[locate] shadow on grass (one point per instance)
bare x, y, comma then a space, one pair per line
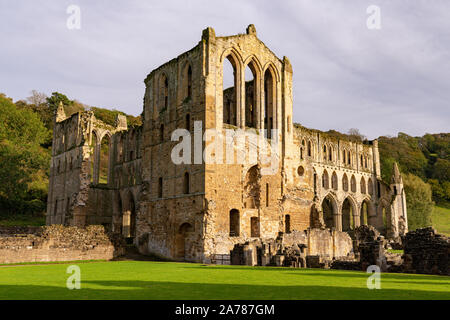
328, 272
177, 290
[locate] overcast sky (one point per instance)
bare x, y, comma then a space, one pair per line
346, 76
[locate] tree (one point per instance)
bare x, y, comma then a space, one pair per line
54, 100
354, 133
24, 163
418, 201
441, 170
37, 98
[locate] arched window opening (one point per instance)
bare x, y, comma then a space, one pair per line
250, 95
349, 159
347, 216
287, 223
269, 102
365, 162
160, 187
362, 161
329, 210
364, 216
330, 153
309, 149
334, 181
186, 183
234, 223
229, 91
104, 160
325, 180
353, 183
345, 183
370, 186
363, 185
324, 153
344, 157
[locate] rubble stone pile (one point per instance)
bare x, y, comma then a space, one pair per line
426, 252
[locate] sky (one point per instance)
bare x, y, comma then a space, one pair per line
346, 75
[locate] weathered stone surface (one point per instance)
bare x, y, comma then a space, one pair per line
59, 243
199, 211
426, 252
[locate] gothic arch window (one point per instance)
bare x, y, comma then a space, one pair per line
330, 153
344, 156
345, 182
353, 183
309, 149
104, 160
349, 158
363, 185
334, 181
251, 83
325, 180
324, 152
370, 187
229, 87
269, 101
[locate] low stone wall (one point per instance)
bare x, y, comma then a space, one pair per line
426, 252
58, 243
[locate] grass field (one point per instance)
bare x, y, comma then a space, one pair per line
169, 280
441, 219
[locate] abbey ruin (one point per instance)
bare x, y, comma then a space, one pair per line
124, 177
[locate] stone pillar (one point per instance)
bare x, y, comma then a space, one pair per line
338, 221
240, 96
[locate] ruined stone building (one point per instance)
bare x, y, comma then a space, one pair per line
124, 178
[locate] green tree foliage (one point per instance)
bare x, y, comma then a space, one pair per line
405, 150
418, 201
24, 162
54, 100
109, 116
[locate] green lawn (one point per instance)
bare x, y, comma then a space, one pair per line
441, 219
169, 280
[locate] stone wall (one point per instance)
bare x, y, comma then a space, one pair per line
426, 252
58, 243
295, 249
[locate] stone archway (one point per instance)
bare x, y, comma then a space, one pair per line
181, 240
349, 219
329, 210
